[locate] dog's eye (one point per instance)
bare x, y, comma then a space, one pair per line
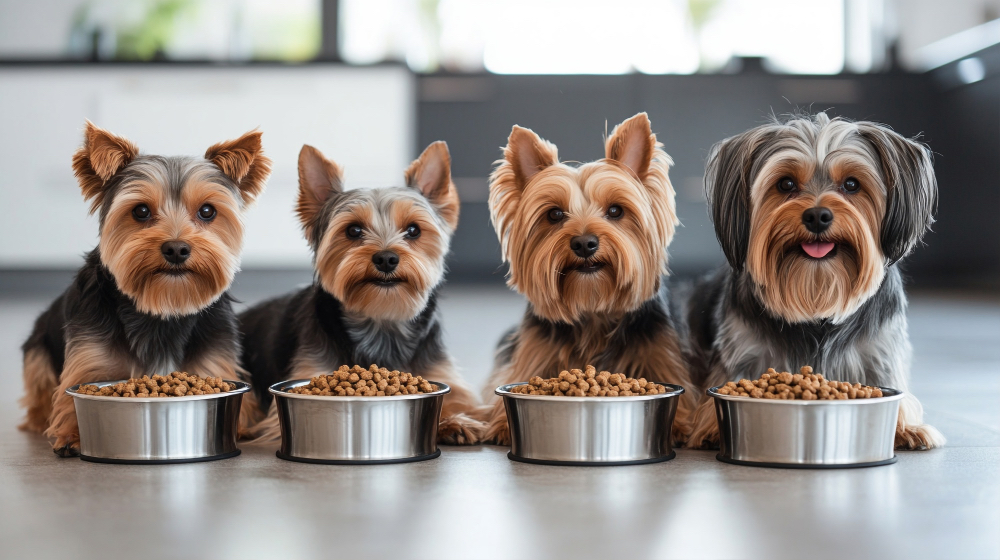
207, 212
852, 185
556, 215
615, 212
787, 185
412, 231
354, 231
141, 213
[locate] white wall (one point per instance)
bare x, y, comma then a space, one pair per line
363, 118
922, 22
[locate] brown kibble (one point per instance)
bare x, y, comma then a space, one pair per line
175, 384
589, 383
365, 382
804, 385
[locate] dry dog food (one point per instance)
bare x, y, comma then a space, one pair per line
589, 383
176, 384
804, 385
360, 382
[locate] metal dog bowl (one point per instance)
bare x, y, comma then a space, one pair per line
807, 434
158, 430
590, 431
358, 430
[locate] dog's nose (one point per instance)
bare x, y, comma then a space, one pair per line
175, 252
385, 261
584, 245
817, 220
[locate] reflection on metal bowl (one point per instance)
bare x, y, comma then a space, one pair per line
592, 431
155, 430
358, 430
807, 434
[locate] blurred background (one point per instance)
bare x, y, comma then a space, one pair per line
371, 82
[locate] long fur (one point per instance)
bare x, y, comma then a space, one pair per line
609, 310
129, 312
345, 316
774, 306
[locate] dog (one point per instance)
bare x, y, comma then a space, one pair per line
379, 256
813, 215
587, 247
152, 297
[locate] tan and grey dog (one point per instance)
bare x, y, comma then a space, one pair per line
814, 215
587, 247
380, 260
152, 297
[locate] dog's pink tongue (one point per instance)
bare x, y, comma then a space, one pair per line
816, 249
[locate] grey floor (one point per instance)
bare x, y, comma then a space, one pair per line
474, 503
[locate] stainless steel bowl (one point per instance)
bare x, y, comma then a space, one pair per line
155, 430
807, 434
594, 431
358, 430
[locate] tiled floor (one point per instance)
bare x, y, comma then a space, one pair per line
474, 503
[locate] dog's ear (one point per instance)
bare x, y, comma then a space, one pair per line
319, 179
243, 161
631, 144
102, 155
527, 154
911, 200
431, 175
728, 178
524, 156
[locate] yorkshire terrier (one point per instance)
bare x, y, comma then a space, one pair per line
152, 297
813, 215
380, 260
587, 247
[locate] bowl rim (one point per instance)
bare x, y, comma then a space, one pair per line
241, 387
277, 390
895, 395
505, 391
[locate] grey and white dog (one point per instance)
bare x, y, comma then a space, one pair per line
813, 215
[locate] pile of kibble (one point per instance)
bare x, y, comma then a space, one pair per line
176, 384
805, 385
360, 382
589, 383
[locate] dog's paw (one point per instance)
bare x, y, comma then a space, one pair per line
706, 437
67, 449
710, 442
680, 432
498, 434
919, 436
460, 429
